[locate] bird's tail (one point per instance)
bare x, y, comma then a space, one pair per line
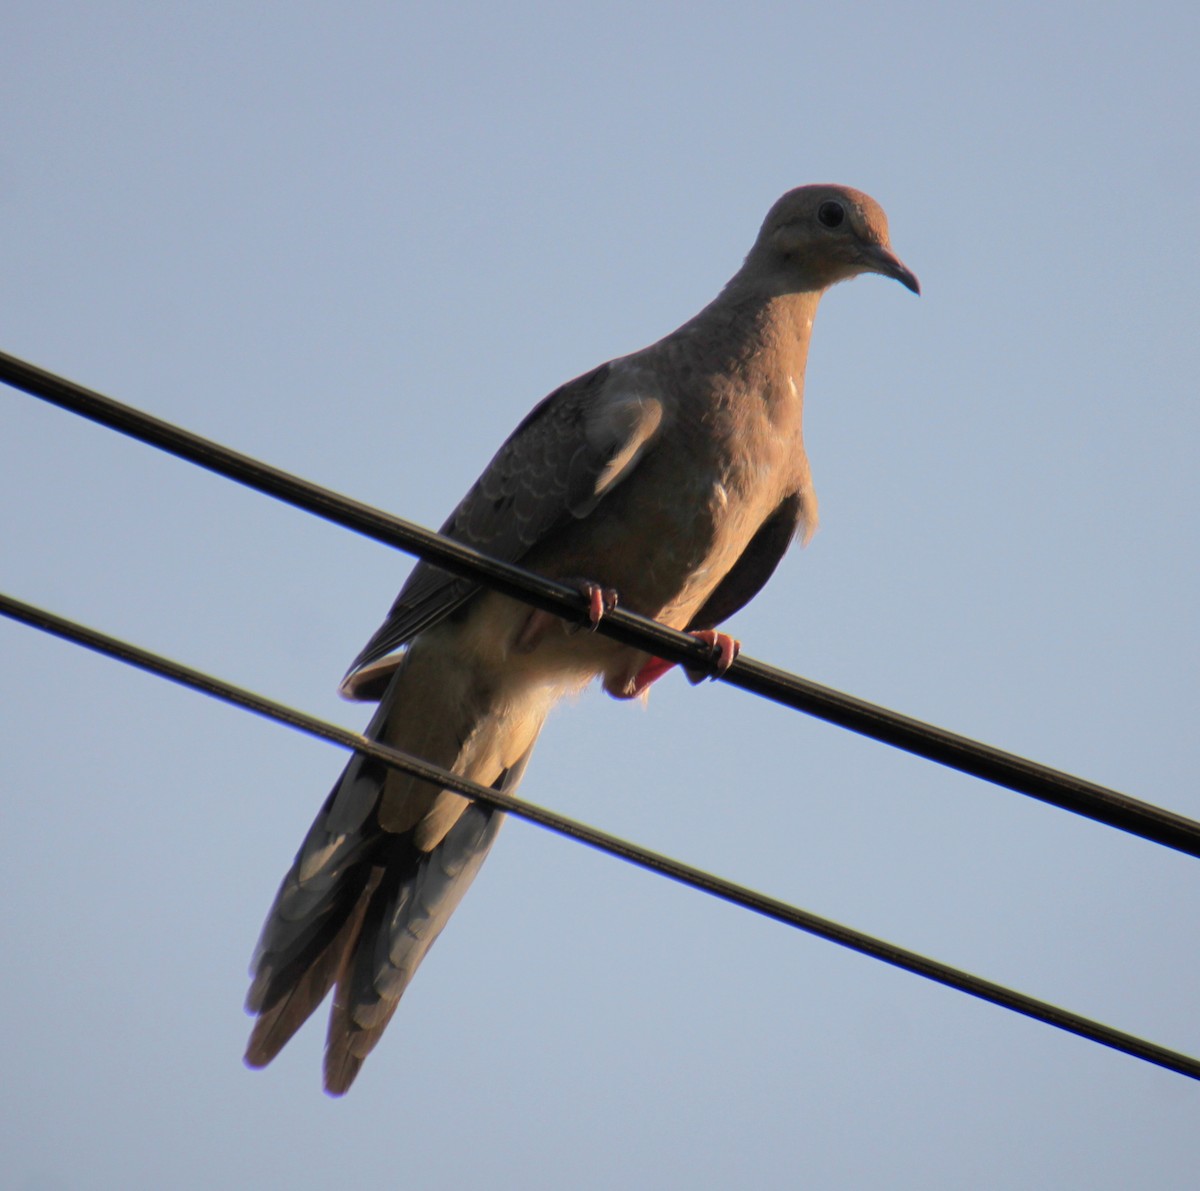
381, 870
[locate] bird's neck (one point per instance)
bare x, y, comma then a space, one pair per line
764, 336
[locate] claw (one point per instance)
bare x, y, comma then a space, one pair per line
601, 600
724, 650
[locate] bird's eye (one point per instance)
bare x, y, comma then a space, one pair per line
831, 214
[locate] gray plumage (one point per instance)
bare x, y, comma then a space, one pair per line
676, 476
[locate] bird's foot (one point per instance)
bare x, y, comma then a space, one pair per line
723, 652
723, 648
601, 601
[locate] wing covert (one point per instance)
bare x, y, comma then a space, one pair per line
573, 447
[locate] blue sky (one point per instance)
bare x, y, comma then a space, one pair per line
361, 243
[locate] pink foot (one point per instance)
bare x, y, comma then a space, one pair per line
601, 600
723, 647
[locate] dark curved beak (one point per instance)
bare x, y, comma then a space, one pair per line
884, 261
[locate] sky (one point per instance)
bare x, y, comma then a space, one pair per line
360, 242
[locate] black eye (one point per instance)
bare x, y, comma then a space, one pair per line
831, 214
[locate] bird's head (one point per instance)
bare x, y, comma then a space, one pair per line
816, 236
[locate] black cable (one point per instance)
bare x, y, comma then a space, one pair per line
685, 874
936, 744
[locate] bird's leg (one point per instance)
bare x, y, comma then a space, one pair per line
601, 600
723, 648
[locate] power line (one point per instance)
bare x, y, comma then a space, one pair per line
1027, 777
738, 895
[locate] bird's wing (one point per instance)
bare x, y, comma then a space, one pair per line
573, 448
756, 565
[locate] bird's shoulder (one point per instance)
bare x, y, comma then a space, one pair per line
564, 456
572, 449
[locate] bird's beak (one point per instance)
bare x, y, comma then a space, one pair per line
882, 260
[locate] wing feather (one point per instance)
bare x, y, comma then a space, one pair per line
573, 448
756, 565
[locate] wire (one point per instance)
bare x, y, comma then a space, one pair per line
1059, 789
738, 895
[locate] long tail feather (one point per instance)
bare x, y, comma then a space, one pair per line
408, 909
360, 907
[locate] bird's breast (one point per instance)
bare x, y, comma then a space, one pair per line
671, 532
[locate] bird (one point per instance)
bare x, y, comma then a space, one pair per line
671, 480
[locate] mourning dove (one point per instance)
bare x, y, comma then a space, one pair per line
674, 478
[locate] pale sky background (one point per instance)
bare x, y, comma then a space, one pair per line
360, 242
